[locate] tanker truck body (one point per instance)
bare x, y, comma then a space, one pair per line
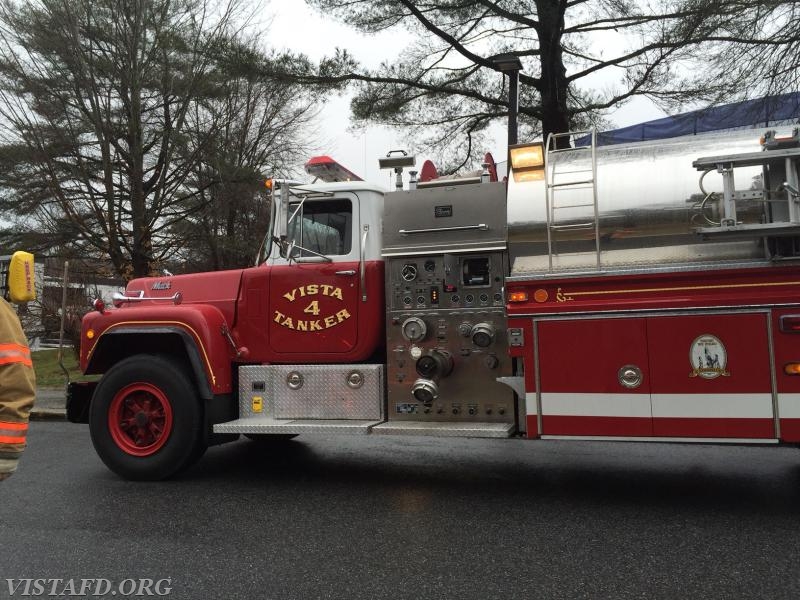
645, 306
600, 293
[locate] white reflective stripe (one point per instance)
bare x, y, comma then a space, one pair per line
530, 403
680, 440
789, 406
741, 406
596, 405
16, 433
8, 465
710, 406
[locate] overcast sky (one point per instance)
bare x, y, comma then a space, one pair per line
297, 27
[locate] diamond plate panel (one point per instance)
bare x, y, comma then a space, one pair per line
325, 393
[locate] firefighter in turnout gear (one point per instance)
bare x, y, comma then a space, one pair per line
17, 389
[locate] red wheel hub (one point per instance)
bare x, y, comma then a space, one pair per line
140, 419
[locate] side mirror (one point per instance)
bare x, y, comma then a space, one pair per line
281, 197
21, 278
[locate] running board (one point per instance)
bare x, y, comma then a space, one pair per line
460, 429
292, 426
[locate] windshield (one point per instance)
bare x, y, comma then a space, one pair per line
321, 227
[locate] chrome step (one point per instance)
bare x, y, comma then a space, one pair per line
459, 429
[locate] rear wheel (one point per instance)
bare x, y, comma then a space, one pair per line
145, 419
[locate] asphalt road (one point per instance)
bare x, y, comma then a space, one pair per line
380, 517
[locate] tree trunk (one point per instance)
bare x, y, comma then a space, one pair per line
553, 87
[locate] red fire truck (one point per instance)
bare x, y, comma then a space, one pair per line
643, 291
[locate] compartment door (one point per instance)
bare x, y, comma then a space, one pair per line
711, 376
588, 377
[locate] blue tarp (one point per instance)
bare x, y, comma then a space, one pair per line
762, 112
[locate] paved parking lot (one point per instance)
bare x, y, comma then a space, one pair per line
383, 517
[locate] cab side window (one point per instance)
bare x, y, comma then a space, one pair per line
323, 226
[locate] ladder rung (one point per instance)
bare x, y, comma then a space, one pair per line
571, 171
573, 226
554, 207
566, 188
559, 150
581, 182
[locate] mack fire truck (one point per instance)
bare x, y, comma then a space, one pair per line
642, 291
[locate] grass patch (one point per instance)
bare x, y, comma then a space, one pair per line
49, 373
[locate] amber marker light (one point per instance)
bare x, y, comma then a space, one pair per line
90, 334
540, 295
518, 297
792, 369
268, 184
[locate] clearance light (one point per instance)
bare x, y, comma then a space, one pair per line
518, 297
540, 295
792, 369
99, 305
268, 183
90, 334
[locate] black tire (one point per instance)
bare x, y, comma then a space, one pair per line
146, 419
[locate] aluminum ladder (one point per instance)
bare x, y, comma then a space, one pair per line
570, 179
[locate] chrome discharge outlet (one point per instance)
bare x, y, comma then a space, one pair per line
425, 391
482, 334
438, 363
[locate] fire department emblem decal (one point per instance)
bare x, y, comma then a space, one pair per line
708, 358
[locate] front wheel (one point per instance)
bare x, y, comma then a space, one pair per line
145, 419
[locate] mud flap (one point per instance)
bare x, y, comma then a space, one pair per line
79, 396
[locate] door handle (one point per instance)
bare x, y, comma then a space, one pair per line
349, 272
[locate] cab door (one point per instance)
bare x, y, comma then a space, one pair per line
314, 292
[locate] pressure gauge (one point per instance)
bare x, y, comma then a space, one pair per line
414, 329
409, 272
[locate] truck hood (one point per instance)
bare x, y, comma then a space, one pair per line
219, 288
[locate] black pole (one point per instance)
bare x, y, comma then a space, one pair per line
513, 105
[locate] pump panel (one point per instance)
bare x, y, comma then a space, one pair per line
446, 327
